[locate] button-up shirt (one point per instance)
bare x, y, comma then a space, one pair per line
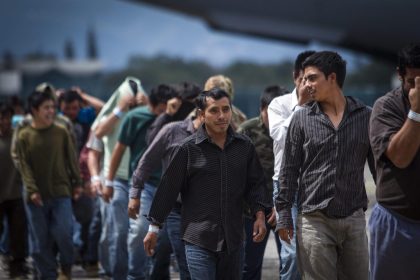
160, 152
279, 112
325, 164
213, 183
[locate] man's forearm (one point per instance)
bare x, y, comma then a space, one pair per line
404, 145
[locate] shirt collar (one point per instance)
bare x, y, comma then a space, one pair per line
190, 125
352, 105
201, 135
294, 99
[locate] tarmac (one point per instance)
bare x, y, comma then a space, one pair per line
271, 262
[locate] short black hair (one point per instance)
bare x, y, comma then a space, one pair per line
161, 94
328, 62
270, 93
299, 61
15, 100
69, 96
408, 57
215, 93
188, 90
6, 108
36, 98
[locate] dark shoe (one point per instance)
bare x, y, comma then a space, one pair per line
65, 273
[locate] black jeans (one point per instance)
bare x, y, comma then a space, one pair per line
14, 211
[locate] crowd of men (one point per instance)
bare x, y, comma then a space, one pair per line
178, 177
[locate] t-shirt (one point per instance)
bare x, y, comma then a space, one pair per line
47, 161
109, 141
133, 134
397, 189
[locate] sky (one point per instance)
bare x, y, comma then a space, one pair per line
124, 29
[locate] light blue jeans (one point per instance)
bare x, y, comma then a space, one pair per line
51, 225
332, 248
288, 259
105, 240
128, 258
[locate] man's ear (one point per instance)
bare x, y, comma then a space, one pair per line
332, 77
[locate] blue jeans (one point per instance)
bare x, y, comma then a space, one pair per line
129, 261
394, 245
207, 265
118, 248
139, 264
51, 224
104, 219
94, 233
254, 252
288, 259
173, 227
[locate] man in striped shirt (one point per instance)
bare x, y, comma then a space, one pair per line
326, 149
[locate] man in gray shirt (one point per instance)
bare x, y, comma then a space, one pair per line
326, 149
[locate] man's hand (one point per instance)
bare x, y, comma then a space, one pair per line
286, 234
77, 192
133, 208
150, 243
271, 218
96, 187
141, 99
36, 199
107, 194
414, 96
126, 101
259, 229
173, 105
302, 91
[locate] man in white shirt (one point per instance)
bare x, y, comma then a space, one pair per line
280, 112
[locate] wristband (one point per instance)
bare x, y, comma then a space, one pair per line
414, 116
153, 228
95, 178
118, 112
109, 183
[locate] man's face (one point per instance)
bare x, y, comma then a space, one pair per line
217, 115
45, 113
5, 123
318, 86
70, 110
408, 79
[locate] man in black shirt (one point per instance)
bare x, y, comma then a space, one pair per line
215, 170
395, 138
